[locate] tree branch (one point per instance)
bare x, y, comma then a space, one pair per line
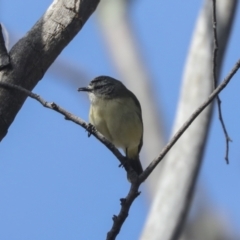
32, 55
133, 193
180, 170
179, 133
4, 57
73, 118
136, 181
214, 73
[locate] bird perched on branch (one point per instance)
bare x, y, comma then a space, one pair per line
116, 113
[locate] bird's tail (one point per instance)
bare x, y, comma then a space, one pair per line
136, 165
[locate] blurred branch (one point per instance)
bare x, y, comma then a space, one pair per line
32, 55
133, 192
68, 72
135, 180
208, 221
188, 122
180, 169
124, 50
210, 224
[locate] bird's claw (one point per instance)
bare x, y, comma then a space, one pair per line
123, 162
90, 129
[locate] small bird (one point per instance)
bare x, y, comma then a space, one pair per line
116, 113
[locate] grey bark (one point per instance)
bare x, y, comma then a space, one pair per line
32, 55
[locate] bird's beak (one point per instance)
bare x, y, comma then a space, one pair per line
84, 89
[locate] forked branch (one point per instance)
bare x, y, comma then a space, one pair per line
134, 189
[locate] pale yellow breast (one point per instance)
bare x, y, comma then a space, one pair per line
119, 121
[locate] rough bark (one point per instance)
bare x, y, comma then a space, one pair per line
32, 55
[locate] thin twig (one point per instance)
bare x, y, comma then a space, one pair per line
123, 214
214, 94
133, 192
120, 218
73, 118
214, 72
215, 41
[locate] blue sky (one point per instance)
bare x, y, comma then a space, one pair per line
55, 182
